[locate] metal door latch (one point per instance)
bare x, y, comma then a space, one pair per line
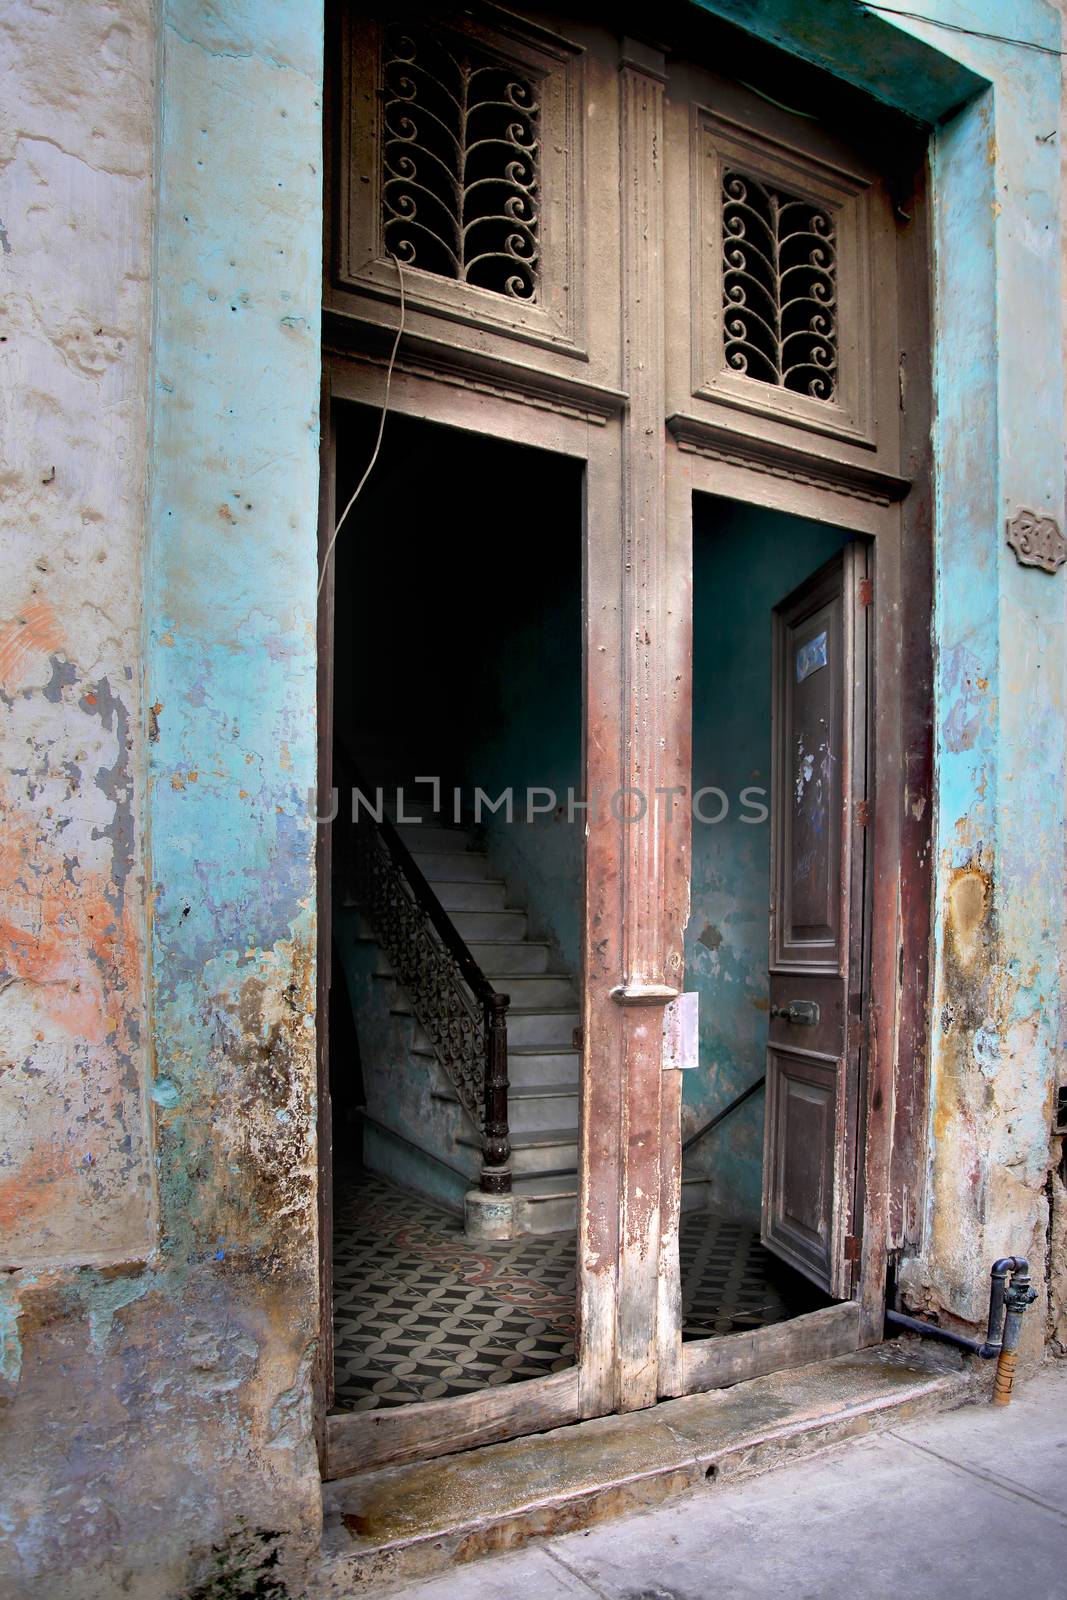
802, 1013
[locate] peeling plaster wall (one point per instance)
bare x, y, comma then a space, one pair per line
75, 147
156, 1335
999, 687
1057, 1241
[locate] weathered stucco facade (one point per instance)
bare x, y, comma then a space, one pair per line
157, 1194
161, 285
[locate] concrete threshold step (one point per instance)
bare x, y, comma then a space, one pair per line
407, 1521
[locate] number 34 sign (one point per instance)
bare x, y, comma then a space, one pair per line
1037, 541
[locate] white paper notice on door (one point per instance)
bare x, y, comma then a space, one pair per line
681, 1049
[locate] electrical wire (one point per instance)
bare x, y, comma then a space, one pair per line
809, 116
957, 27
377, 443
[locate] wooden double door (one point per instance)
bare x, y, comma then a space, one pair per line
692, 281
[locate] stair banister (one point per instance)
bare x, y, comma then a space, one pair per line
440, 1002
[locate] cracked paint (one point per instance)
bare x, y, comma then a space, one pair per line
157, 1096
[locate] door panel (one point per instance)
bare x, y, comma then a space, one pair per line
818, 778
803, 1107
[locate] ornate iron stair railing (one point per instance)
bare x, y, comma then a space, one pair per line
463, 1016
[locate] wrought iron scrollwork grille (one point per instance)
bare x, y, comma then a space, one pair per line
460, 164
779, 287
464, 1018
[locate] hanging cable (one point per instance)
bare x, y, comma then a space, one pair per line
957, 27
378, 442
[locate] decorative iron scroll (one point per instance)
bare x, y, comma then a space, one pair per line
779, 287
428, 973
460, 158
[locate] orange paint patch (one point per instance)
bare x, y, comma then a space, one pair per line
64, 937
35, 632
27, 1192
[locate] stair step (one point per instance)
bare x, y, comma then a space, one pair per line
694, 1192
474, 926
528, 990
534, 1111
543, 1068
472, 894
424, 836
547, 1106
418, 802
544, 1026
399, 1525
551, 1186
552, 1208
547, 1150
451, 864
508, 955
528, 1065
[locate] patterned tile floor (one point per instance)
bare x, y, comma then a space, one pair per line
420, 1312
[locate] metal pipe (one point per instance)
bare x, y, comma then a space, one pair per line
721, 1116
1008, 1301
1019, 1294
930, 1330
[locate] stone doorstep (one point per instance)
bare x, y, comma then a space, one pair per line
406, 1522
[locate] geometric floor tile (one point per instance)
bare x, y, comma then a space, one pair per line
730, 1282
421, 1312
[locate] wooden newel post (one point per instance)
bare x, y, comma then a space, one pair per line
496, 1156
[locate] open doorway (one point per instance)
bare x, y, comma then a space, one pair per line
457, 719
769, 599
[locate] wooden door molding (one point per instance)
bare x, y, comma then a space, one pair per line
323, 1375
653, 852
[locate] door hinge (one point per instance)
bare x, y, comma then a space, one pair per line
852, 1246
863, 813
866, 591
578, 1038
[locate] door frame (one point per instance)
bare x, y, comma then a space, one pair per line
891, 1137
423, 1429
637, 641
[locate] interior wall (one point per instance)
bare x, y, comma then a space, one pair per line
528, 736
745, 560
459, 639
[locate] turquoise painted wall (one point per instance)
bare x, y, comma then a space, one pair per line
230, 675
744, 561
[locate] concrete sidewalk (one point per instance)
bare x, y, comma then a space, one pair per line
968, 1503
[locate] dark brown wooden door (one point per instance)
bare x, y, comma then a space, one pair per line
818, 825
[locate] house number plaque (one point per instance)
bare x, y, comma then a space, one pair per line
1037, 541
